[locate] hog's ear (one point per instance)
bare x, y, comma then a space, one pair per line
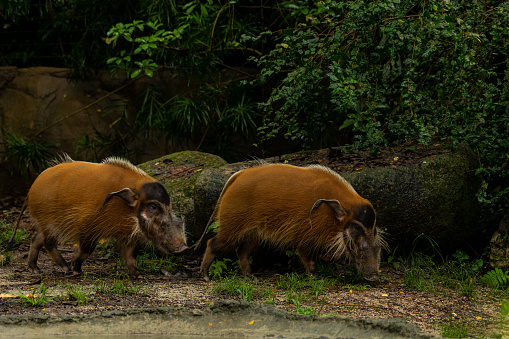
128, 195
336, 207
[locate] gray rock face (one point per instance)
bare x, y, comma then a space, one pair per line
435, 198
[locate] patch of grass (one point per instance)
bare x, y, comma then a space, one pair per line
302, 310
39, 297
236, 286
432, 272
300, 288
312, 285
123, 287
453, 329
77, 292
118, 286
100, 285
150, 262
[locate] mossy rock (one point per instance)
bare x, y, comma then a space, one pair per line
178, 173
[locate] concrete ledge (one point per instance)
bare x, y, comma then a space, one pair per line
226, 319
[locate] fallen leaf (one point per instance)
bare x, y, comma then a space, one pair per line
251, 322
6, 295
384, 295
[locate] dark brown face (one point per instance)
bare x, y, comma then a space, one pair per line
157, 221
363, 241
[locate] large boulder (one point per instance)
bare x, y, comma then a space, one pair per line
435, 197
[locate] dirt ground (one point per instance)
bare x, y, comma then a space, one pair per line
388, 298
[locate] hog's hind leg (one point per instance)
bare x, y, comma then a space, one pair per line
36, 243
50, 244
215, 246
247, 246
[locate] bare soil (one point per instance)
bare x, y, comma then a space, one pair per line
388, 298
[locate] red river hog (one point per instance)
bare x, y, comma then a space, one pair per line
85, 202
312, 209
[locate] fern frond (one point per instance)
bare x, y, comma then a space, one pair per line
495, 278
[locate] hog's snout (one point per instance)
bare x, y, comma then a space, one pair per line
181, 248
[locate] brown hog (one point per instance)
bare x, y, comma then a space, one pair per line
85, 202
281, 205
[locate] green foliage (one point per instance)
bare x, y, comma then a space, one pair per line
236, 286
149, 261
495, 278
147, 37
302, 287
387, 70
219, 268
302, 310
6, 229
120, 285
26, 155
77, 292
430, 271
7, 223
39, 297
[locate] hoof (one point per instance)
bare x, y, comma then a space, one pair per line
35, 270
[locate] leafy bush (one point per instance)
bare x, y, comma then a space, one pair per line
390, 70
